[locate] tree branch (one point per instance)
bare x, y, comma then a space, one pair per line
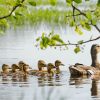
76, 44
82, 13
13, 9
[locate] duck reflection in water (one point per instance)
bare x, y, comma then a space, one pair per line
95, 90
77, 81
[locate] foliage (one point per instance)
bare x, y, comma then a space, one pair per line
49, 40
20, 12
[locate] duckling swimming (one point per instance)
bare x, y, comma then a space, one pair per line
58, 63
14, 68
5, 70
50, 72
41, 64
20, 64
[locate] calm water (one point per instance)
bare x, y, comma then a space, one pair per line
19, 45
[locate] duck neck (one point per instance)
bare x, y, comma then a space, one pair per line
95, 61
5, 71
57, 69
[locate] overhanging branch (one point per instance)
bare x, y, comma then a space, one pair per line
13, 9
76, 44
82, 13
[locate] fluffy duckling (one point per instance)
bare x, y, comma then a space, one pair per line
20, 64
58, 63
14, 68
40, 71
50, 72
41, 65
5, 69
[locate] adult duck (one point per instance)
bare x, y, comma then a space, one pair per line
80, 69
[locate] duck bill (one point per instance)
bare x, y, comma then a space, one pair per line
62, 64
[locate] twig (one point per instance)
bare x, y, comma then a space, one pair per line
13, 9
84, 42
82, 13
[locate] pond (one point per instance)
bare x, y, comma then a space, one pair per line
19, 45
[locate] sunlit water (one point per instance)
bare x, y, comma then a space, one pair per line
19, 45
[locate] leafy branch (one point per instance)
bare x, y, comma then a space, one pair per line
82, 13
79, 42
13, 9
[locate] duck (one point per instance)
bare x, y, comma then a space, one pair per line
5, 70
21, 63
41, 64
50, 71
81, 69
58, 63
14, 68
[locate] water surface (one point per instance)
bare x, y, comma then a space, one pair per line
19, 45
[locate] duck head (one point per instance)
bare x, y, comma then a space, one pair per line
25, 68
15, 67
5, 68
58, 63
95, 49
20, 64
41, 64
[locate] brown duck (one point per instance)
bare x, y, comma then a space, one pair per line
94, 69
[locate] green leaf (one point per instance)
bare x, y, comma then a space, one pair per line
38, 39
87, 26
77, 49
78, 1
57, 38
78, 30
89, 15
80, 42
32, 3
52, 42
94, 21
72, 23
69, 1
18, 13
45, 42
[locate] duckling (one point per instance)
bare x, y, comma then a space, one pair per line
41, 65
14, 68
20, 64
5, 69
57, 64
24, 71
50, 72
40, 72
